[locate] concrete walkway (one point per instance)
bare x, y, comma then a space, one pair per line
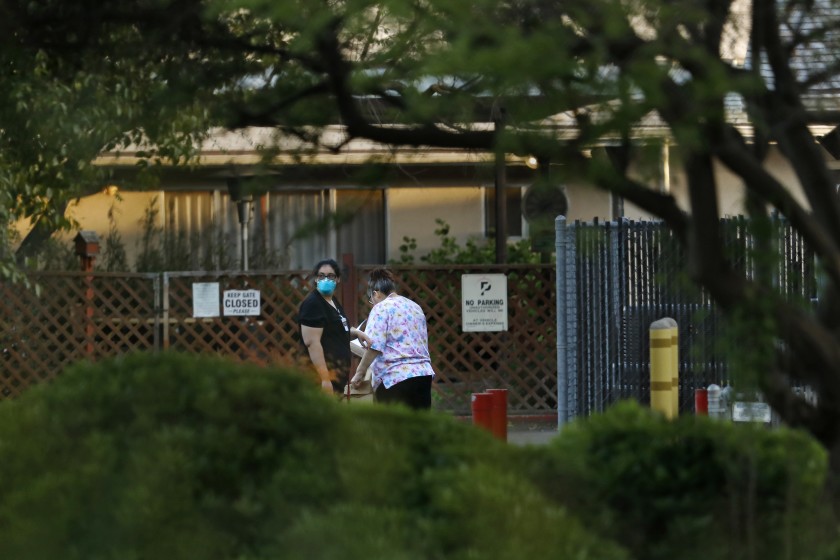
531, 430
527, 430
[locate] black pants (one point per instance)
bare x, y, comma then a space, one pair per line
414, 392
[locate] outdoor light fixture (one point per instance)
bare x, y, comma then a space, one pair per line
243, 200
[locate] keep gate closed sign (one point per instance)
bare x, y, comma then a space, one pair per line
241, 302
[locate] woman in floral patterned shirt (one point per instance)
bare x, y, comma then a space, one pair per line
399, 347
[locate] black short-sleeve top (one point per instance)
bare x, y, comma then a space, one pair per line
316, 312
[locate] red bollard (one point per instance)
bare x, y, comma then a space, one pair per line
701, 402
482, 410
499, 415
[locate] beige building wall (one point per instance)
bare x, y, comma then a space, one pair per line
732, 195
730, 189
129, 210
412, 213
587, 203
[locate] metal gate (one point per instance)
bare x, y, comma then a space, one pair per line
617, 278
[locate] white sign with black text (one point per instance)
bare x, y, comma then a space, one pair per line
484, 301
241, 302
751, 412
205, 299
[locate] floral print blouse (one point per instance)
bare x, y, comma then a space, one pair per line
397, 327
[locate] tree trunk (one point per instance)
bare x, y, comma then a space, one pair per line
832, 479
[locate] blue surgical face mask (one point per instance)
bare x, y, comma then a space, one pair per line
326, 286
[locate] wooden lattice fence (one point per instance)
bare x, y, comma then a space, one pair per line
522, 359
65, 317
267, 338
74, 316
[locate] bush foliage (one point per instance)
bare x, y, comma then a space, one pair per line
170, 456
692, 488
174, 456
474, 251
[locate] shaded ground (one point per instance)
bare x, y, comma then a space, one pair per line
531, 430
528, 430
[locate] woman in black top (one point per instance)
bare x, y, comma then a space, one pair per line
324, 330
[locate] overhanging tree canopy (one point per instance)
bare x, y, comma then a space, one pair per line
432, 73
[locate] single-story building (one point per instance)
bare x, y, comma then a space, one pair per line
307, 206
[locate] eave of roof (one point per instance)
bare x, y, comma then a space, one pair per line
246, 146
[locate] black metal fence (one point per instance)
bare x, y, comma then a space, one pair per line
617, 278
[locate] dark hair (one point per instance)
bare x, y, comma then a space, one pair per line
382, 280
330, 262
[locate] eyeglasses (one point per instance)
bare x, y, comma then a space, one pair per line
331, 276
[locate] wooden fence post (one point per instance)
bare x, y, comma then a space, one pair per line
349, 288
87, 247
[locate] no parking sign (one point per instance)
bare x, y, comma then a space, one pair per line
484, 300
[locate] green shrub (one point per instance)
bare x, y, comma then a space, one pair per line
180, 457
693, 488
159, 457
476, 250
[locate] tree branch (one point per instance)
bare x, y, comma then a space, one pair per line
424, 134
732, 152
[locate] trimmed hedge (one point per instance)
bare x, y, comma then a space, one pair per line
182, 457
691, 488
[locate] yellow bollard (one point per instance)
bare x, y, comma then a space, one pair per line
675, 369
661, 364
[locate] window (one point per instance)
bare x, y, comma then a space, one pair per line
513, 202
288, 229
200, 231
361, 225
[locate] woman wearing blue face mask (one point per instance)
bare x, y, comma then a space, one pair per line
324, 331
